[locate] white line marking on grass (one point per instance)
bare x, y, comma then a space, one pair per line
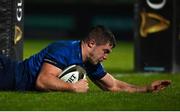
121, 75
129, 75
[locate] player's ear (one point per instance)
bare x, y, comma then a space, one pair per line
91, 43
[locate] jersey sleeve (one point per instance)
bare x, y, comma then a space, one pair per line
96, 72
56, 56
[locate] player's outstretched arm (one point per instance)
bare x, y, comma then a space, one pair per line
109, 83
48, 80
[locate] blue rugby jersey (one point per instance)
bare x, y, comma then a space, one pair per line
60, 54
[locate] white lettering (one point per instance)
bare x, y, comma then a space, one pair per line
156, 5
71, 79
19, 11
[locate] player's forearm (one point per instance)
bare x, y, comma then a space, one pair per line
133, 89
123, 86
109, 83
59, 85
52, 84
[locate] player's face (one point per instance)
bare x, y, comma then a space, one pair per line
99, 53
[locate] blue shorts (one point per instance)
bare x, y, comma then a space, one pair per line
7, 73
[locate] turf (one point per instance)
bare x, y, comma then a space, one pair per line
120, 64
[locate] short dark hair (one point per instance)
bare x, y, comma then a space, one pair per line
101, 35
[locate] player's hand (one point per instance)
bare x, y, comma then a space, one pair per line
81, 86
158, 85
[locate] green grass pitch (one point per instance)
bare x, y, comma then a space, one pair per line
120, 63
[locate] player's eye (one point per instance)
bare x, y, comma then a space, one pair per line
106, 51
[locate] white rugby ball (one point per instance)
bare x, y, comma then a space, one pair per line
73, 74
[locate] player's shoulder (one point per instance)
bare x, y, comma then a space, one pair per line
63, 46
64, 43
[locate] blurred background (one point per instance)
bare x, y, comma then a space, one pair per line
71, 19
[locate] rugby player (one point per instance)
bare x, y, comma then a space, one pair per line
40, 71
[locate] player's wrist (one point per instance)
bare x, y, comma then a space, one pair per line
71, 87
149, 89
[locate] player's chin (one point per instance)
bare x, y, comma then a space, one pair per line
94, 62
97, 62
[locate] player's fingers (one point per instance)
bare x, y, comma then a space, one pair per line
166, 82
85, 80
82, 80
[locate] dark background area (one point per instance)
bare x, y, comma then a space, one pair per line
72, 19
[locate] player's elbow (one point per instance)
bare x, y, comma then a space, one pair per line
41, 83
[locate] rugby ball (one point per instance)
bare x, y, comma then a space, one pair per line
73, 74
